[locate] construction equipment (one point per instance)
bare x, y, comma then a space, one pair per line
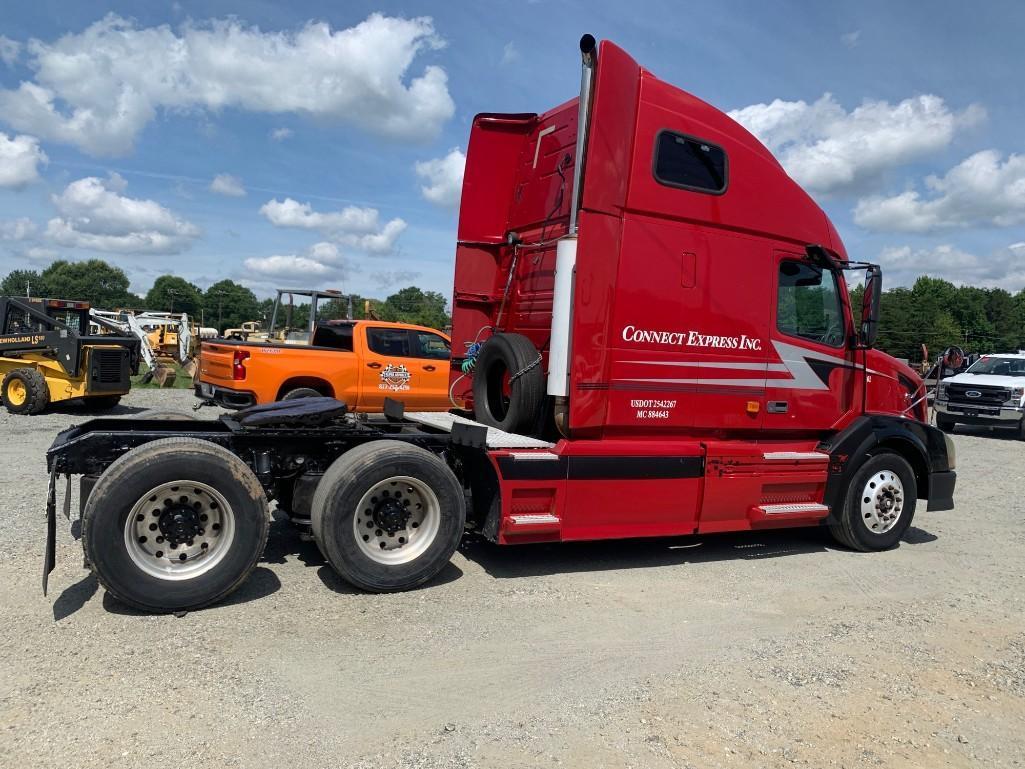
47, 355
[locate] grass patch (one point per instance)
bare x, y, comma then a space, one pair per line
182, 381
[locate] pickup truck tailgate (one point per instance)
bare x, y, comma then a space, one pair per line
215, 364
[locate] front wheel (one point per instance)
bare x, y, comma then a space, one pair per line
175, 524
879, 505
388, 516
945, 423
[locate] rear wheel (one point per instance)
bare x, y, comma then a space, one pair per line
24, 391
945, 423
388, 516
879, 505
175, 524
300, 392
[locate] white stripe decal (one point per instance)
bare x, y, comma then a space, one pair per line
537, 147
795, 362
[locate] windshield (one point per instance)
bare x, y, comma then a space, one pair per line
999, 366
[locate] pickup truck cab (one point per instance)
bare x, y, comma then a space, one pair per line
990, 392
358, 362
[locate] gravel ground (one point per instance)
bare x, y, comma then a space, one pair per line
764, 650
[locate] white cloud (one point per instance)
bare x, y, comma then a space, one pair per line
444, 177
39, 254
280, 134
828, 149
352, 226
851, 39
9, 50
226, 184
97, 89
982, 190
17, 229
1004, 268
94, 215
20, 158
322, 260
510, 53
388, 278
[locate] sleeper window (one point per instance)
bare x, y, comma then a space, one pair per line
693, 164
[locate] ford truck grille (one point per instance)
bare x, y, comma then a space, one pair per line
978, 395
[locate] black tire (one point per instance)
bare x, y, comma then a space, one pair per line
512, 358
945, 423
301, 392
129, 480
851, 528
336, 503
102, 402
1021, 429
37, 394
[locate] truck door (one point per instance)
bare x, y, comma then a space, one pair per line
431, 353
811, 379
389, 370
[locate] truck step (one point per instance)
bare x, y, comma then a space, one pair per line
795, 456
789, 510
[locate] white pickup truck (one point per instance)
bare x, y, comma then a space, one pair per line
990, 392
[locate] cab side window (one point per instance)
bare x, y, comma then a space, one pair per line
808, 304
428, 345
388, 341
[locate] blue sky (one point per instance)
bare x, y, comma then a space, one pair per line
113, 129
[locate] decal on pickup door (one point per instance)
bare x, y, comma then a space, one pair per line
394, 377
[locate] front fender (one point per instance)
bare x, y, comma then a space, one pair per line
927, 449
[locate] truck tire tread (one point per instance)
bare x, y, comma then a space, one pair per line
136, 464
38, 394
848, 528
339, 492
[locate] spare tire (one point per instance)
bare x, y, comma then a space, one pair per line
508, 384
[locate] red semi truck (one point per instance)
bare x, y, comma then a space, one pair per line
652, 336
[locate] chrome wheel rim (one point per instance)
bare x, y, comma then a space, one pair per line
397, 520
179, 530
882, 501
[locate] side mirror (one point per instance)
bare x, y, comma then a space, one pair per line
870, 306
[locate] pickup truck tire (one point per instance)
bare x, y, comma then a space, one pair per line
508, 384
945, 423
388, 516
301, 392
24, 391
879, 505
166, 499
1021, 429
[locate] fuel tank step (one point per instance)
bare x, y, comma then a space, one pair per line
784, 511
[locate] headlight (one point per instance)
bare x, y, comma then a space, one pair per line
1017, 393
941, 392
951, 452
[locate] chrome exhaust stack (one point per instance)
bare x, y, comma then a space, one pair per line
566, 250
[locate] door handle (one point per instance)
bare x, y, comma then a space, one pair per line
373, 365
428, 368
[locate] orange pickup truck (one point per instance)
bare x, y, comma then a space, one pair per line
360, 362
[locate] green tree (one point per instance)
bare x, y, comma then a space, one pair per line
226, 304
413, 305
173, 294
17, 281
1003, 320
102, 285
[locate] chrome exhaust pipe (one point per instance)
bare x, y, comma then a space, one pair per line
566, 252
588, 59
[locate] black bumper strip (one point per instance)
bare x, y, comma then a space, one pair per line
601, 468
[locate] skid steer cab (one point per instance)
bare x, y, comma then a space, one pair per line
47, 355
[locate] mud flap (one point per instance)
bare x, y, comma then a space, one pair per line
51, 528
